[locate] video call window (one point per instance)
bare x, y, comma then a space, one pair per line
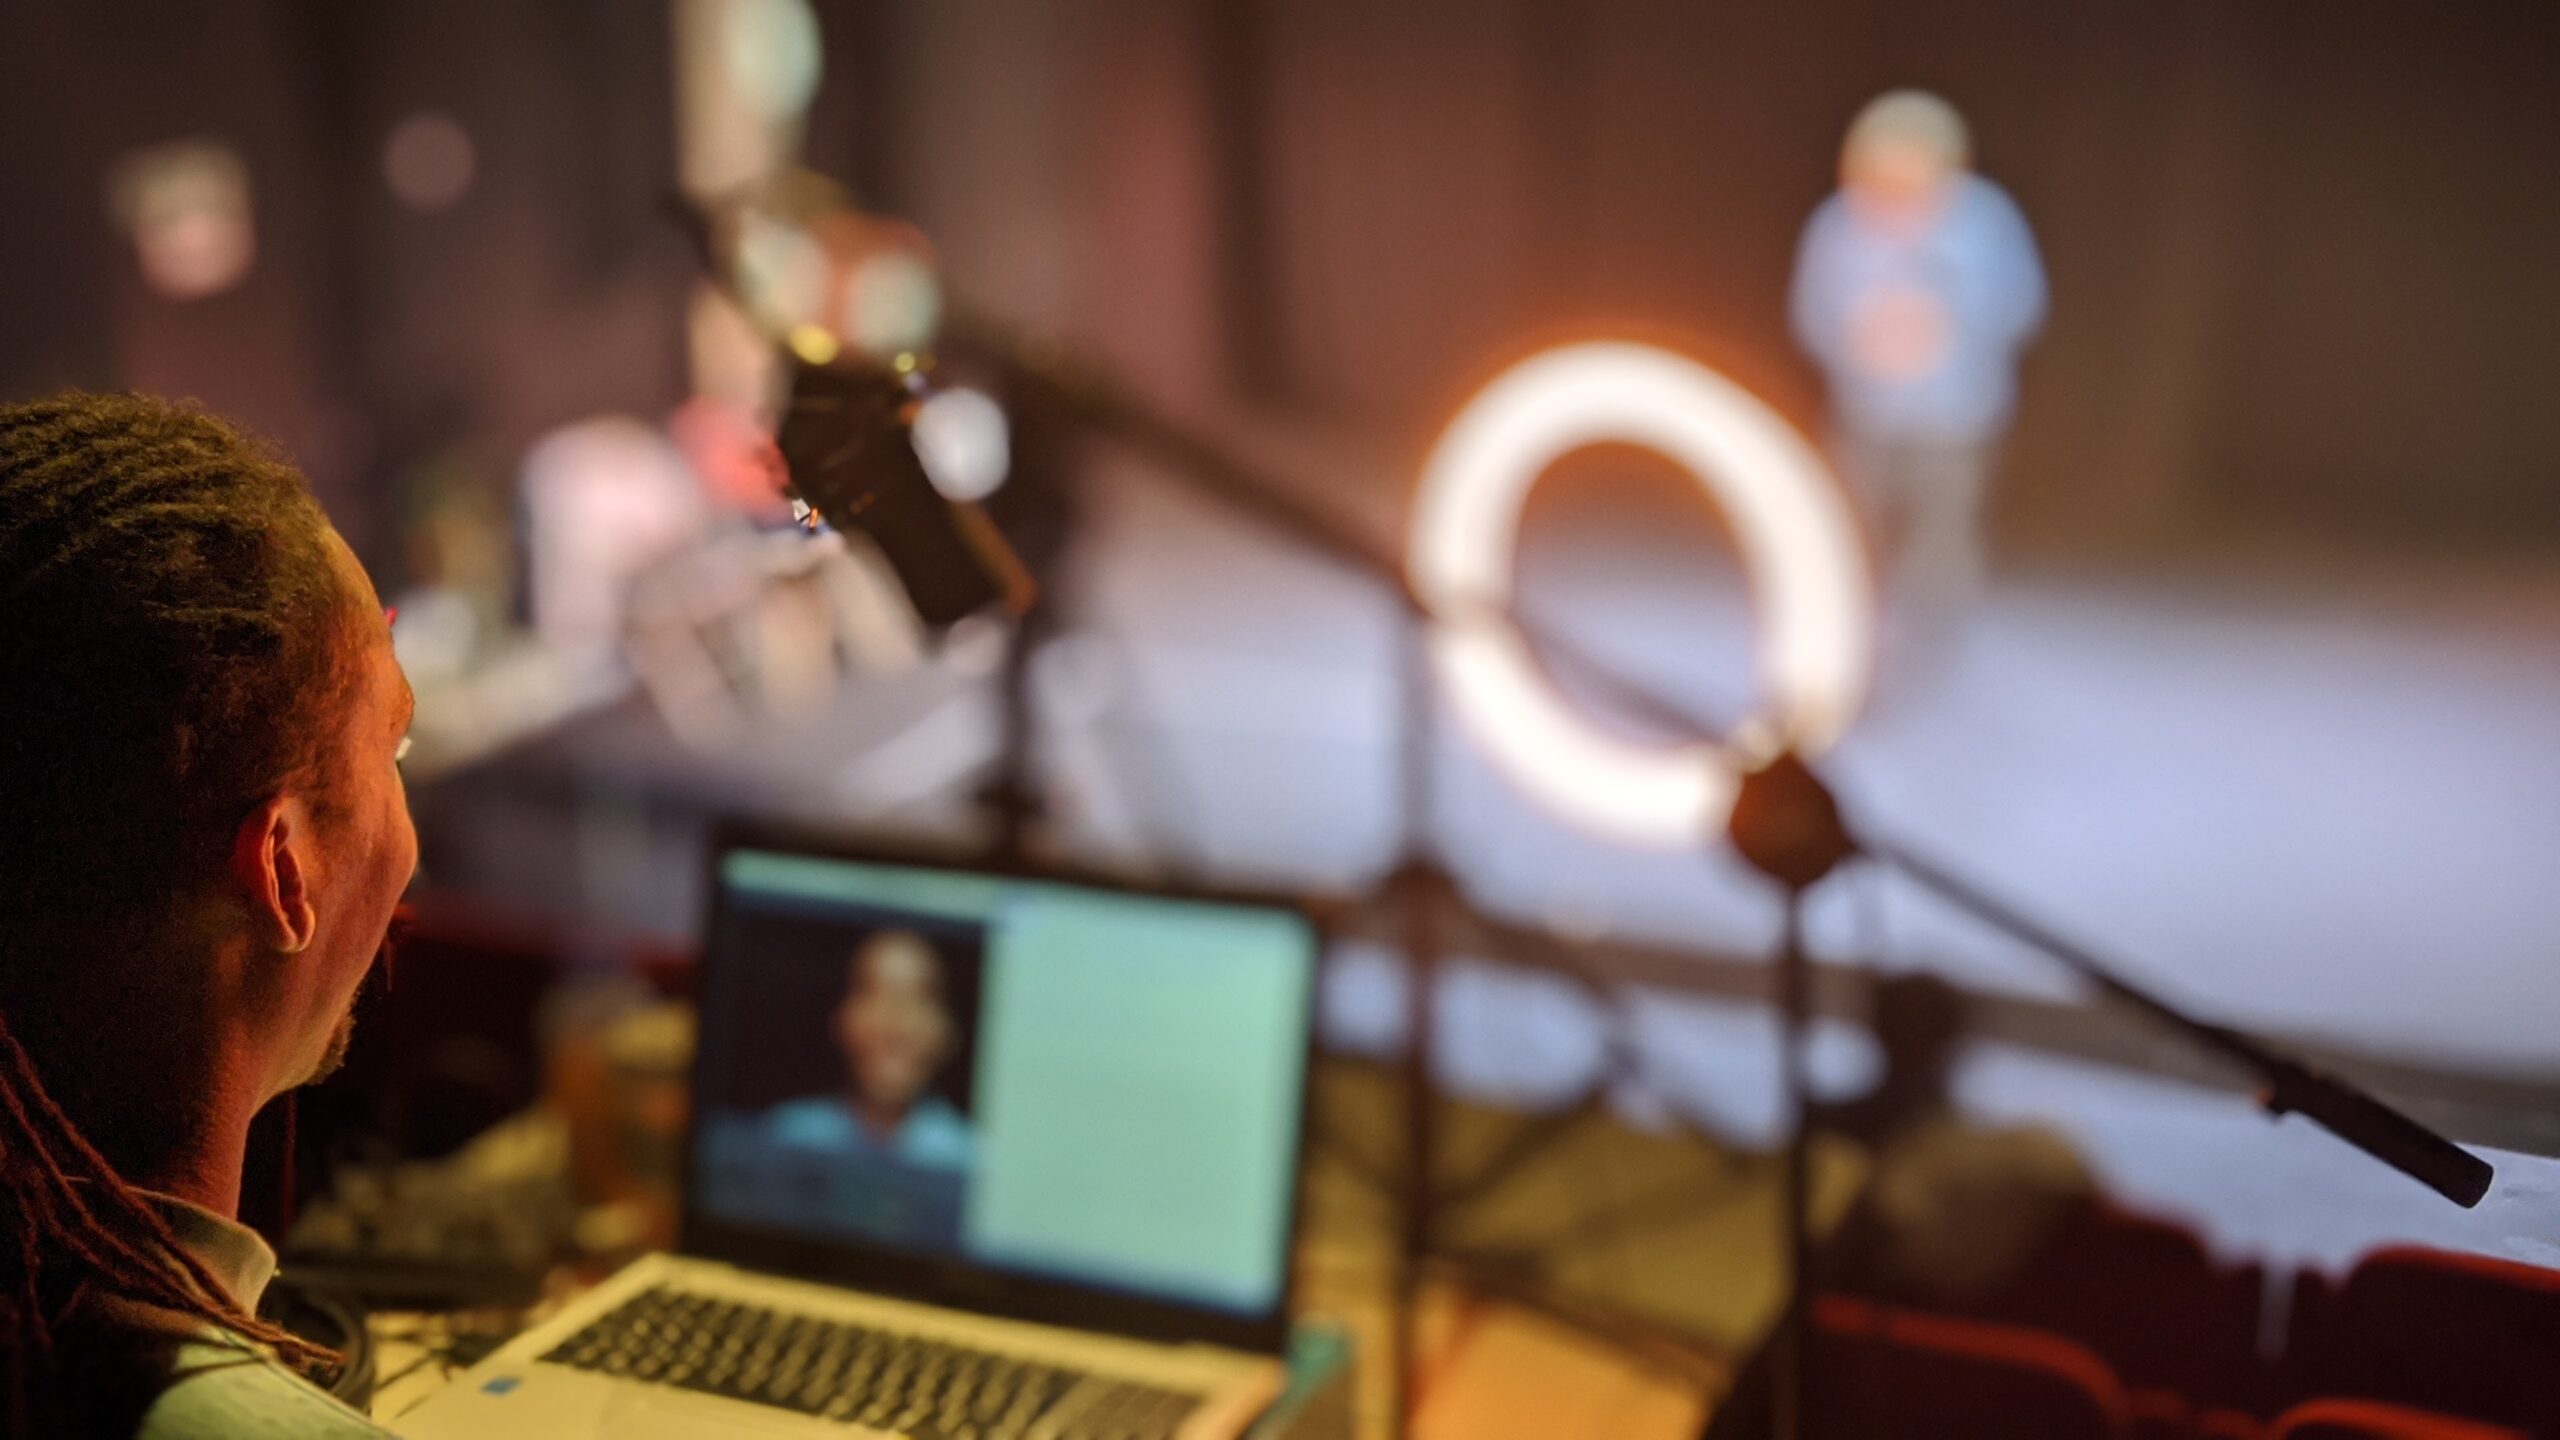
852, 1110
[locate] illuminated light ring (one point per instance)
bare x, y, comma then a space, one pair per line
1800, 550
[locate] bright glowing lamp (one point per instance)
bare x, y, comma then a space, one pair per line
1800, 550
964, 442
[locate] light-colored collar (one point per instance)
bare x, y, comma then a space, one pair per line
228, 1250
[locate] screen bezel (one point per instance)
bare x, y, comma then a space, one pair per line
957, 1281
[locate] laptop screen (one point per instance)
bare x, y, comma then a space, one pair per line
1075, 1084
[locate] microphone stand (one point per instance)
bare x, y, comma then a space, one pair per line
1788, 828
1786, 823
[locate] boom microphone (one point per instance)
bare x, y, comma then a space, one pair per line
849, 455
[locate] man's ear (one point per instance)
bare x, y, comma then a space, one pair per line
270, 859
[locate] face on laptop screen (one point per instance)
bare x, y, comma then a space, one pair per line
1065, 1082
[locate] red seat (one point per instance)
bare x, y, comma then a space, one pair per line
2167, 1415
2377, 1420
2226, 1425
1878, 1372
2437, 1331
2149, 1300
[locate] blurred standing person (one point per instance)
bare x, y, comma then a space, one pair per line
1916, 286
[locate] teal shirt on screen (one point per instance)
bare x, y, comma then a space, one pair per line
932, 1137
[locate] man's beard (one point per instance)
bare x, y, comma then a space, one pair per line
334, 1058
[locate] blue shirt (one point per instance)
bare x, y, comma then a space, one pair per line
1977, 260
932, 1137
187, 1379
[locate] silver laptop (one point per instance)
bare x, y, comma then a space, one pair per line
974, 1155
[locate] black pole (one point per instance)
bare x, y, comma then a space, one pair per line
1791, 1355
1419, 886
1417, 898
1012, 793
1787, 827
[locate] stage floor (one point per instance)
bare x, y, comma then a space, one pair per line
2322, 800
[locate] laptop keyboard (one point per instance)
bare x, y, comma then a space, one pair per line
927, 1389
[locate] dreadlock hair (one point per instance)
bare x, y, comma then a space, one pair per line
170, 619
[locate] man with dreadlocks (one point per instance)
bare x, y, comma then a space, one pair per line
203, 838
